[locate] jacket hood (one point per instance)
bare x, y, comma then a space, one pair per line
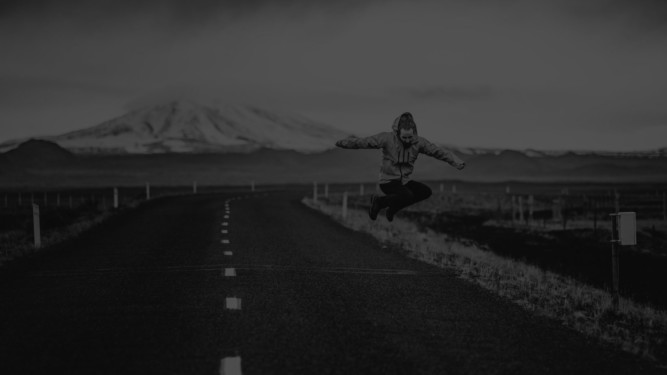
394, 126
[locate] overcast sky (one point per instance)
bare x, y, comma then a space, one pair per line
544, 74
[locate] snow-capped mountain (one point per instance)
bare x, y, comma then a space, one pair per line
187, 127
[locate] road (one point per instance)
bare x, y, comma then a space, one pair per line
210, 284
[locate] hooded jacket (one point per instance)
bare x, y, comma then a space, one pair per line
398, 160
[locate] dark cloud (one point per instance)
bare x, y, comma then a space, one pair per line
453, 93
635, 120
33, 89
169, 13
648, 15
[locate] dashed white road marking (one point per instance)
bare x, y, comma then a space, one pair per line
224, 231
233, 303
228, 253
224, 224
230, 366
230, 272
225, 241
226, 217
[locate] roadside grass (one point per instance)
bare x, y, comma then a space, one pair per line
17, 243
635, 328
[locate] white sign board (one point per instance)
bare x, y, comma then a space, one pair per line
627, 228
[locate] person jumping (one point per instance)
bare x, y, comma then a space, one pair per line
400, 149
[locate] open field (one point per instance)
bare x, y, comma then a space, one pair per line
568, 231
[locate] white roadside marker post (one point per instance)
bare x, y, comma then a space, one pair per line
115, 197
194, 187
531, 208
230, 366
36, 226
148, 191
624, 233
344, 205
233, 303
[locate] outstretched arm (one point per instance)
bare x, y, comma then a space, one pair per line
441, 154
374, 141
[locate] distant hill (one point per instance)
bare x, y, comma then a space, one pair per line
41, 163
38, 153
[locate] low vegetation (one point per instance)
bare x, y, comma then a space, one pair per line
634, 327
57, 224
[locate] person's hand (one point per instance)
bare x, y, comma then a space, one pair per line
342, 142
460, 165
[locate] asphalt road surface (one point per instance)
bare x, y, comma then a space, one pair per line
260, 284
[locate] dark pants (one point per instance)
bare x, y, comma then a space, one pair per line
399, 196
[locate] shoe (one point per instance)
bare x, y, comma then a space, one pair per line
390, 215
374, 208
